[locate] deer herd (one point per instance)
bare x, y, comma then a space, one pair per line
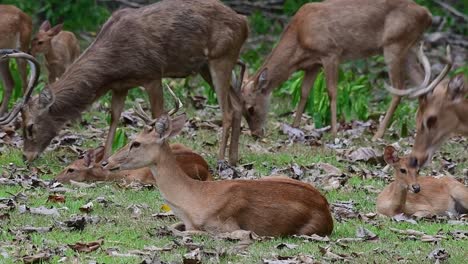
179, 38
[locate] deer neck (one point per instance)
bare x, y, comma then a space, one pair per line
281, 63
82, 83
177, 188
399, 192
50, 56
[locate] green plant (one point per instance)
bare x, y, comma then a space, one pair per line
120, 139
352, 100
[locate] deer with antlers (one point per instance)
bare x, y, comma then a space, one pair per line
88, 168
271, 207
442, 111
322, 35
171, 38
15, 33
60, 48
420, 196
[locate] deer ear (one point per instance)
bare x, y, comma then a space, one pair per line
98, 154
46, 98
45, 26
55, 30
391, 155
177, 124
263, 79
457, 88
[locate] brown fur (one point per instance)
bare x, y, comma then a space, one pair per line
15, 33
327, 33
441, 114
171, 38
436, 196
88, 168
59, 47
271, 207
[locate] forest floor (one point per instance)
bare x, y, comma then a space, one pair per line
127, 224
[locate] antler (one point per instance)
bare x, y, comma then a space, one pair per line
150, 121
35, 68
242, 73
439, 78
427, 76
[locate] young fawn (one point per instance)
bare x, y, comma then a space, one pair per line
59, 47
87, 168
271, 207
420, 196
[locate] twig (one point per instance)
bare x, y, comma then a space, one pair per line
452, 10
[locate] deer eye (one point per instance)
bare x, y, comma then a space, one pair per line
431, 122
70, 170
135, 145
39, 43
403, 171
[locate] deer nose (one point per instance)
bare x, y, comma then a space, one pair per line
416, 188
104, 163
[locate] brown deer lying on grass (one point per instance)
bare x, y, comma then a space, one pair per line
59, 47
420, 196
171, 38
15, 33
270, 207
442, 112
88, 168
322, 35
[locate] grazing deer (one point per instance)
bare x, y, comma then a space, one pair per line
420, 196
87, 168
322, 35
442, 112
171, 38
269, 207
15, 33
59, 47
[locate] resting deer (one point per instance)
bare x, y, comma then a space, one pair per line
59, 47
15, 33
171, 38
420, 196
271, 207
88, 168
442, 112
322, 35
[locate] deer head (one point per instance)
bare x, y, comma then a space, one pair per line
438, 115
84, 168
36, 117
41, 42
255, 99
147, 146
405, 173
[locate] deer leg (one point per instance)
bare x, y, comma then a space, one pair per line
9, 85
307, 84
156, 97
220, 72
117, 106
235, 135
22, 68
394, 60
330, 68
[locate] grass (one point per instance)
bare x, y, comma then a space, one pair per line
125, 233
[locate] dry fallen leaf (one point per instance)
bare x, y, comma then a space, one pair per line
87, 247
193, 257
87, 208
37, 258
439, 254
56, 198
366, 234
